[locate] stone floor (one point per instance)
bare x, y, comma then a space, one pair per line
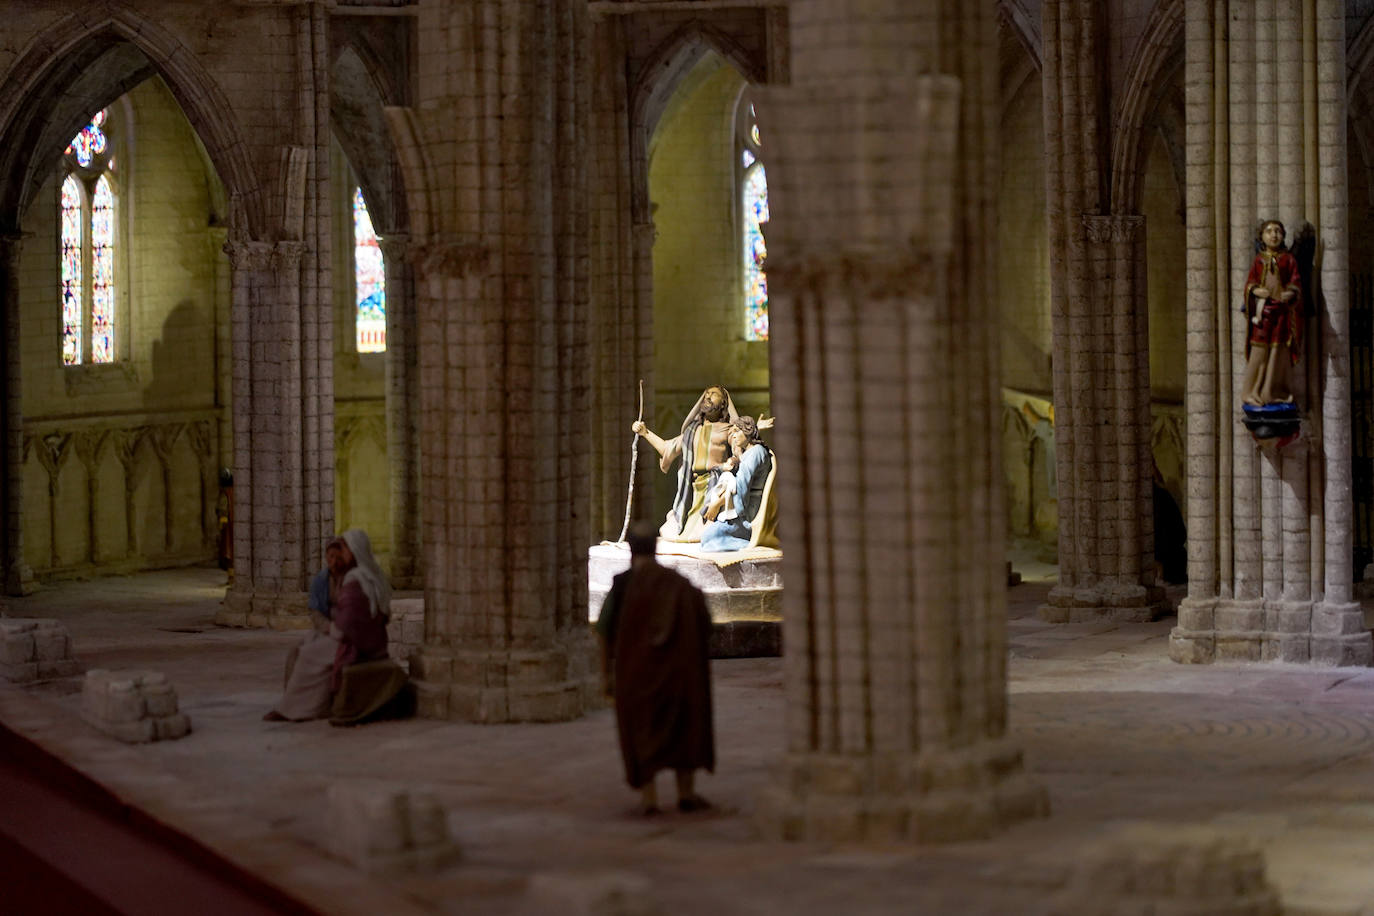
1282, 755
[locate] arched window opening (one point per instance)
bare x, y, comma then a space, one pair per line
369, 273
73, 255
753, 186
88, 241
102, 272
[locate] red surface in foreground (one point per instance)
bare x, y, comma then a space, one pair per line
67, 845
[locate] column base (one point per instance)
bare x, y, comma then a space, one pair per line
943, 797
1121, 601
505, 685
19, 580
244, 607
1295, 632
1339, 636
405, 574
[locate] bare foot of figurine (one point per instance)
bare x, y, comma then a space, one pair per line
274, 716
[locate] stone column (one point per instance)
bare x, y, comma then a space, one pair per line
216, 237
1269, 558
274, 546
402, 412
884, 349
494, 158
1101, 343
18, 574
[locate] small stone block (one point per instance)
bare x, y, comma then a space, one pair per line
63, 667
167, 728
16, 649
49, 645
132, 706
384, 828
19, 674
161, 700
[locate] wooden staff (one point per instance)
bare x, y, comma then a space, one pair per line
634, 462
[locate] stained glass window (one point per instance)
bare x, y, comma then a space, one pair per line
102, 272
90, 143
754, 203
88, 240
369, 280
72, 258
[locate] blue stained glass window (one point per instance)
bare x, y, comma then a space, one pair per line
369, 273
90, 143
754, 204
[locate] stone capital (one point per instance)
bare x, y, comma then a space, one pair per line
287, 255
395, 247
877, 274
249, 255
456, 258
11, 246
1102, 229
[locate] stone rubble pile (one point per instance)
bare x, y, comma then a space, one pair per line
381, 828
132, 706
1149, 869
34, 649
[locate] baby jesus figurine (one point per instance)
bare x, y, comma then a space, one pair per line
1272, 302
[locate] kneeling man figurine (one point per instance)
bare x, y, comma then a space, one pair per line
656, 633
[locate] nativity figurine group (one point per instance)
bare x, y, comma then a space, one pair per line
725, 497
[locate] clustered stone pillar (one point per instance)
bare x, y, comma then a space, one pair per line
282, 329
275, 543
1101, 344
402, 413
18, 575
884, 367
494, 162
1269, 529
622, 311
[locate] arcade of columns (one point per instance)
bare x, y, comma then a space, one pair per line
520, 318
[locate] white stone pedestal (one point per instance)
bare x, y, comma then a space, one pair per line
744, 598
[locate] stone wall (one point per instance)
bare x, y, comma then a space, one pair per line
120, 459
1023, 271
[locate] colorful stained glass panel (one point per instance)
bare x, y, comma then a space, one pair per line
71, 271
102, 273
370, 280
90, 143
755, 253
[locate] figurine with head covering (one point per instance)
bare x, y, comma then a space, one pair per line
702, 445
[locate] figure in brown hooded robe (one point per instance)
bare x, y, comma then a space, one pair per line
702, 444
655, 633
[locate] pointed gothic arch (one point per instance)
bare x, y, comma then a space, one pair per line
1157, 60
38, 106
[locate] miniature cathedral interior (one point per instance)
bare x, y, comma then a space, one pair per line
1002, 372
